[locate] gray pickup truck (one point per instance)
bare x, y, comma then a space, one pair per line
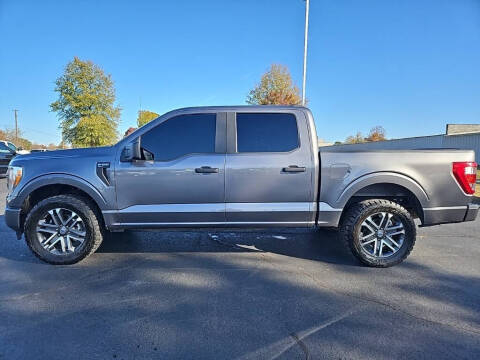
235, 167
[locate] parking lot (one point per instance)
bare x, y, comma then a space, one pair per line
288, 294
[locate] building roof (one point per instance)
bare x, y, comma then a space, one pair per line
457, 129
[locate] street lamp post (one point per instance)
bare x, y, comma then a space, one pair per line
305, 45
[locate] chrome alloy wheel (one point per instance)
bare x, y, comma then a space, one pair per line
60, 231
382, 234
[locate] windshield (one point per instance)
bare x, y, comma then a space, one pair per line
11, 146
4, 148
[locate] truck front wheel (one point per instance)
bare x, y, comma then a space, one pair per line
378, 232
63, 229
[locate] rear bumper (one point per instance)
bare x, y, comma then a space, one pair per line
472, 212
12, 219
443, 215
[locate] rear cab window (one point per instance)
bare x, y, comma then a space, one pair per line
266, 132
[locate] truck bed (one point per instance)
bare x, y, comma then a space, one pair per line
426, 174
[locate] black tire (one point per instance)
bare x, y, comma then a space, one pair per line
90, 219
350, 231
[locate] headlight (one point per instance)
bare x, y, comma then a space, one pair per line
14, 175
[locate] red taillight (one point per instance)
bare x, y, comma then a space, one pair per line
466, 175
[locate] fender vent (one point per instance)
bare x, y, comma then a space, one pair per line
102, 172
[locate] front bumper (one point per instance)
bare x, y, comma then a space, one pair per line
13, 219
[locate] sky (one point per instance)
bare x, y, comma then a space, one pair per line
411, 66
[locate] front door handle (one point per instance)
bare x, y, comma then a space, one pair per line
206, 170
294, 169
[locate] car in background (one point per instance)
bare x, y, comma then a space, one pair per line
6, 154
17, 150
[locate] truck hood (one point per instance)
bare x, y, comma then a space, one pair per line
63, 154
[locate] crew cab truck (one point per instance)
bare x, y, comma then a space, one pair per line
235, 167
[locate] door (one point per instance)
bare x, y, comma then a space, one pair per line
269, 169
181, 181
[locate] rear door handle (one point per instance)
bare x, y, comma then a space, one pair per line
294, 169
206, 170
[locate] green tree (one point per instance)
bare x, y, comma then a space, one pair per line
85, 106
145, 116
24, 144
275, 88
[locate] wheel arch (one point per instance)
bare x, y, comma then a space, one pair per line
56, 184
395, 187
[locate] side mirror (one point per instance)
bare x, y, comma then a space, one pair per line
132, 151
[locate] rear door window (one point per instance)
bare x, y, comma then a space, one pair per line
266, 132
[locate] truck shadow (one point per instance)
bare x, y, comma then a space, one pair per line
317, 245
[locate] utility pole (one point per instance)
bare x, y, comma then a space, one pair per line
305, 45
16, 125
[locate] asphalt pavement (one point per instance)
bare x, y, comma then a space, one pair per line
286, 294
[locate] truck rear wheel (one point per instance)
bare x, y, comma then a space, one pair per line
380, 233
63, 229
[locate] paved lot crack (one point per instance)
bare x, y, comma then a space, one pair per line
390, 306
302, 345
280, 347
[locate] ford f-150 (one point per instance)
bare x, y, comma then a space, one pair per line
235, 167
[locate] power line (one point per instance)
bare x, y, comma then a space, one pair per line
30, 130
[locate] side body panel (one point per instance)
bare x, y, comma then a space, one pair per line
259, 191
